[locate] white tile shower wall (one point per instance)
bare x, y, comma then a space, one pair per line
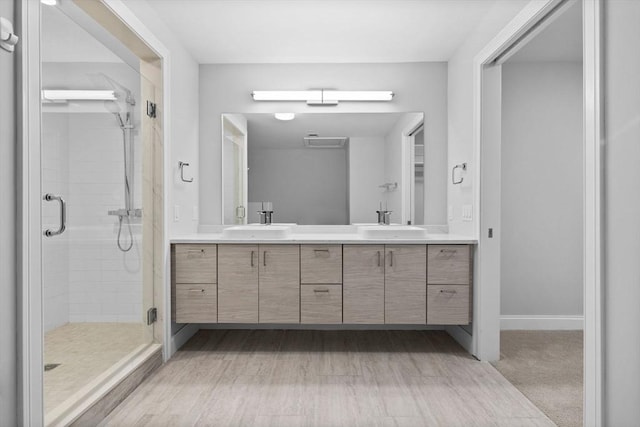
90, 279
55, 250
105, 283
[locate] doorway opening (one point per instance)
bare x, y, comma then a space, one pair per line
93, 213
533, 140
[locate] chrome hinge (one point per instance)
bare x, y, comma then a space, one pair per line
151, 109
152, 315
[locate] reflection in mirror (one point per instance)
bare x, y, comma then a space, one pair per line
418, 190
330, 168
234, 149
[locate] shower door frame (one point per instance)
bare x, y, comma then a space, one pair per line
29, 198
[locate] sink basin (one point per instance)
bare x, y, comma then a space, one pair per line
257, 232
392, 232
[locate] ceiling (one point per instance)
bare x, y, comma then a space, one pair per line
323, 31
265, 131
560, 41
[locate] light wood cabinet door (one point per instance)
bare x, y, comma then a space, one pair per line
238, 284
195, 263
363, 284
448, 304
321, 264
449, 265
196, 303
279, 284
406, 284
321, 304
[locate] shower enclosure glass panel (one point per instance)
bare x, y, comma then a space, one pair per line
97, 247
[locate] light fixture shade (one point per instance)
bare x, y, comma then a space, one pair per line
322, 96
285, 116
78, 95
287, 95
357, 95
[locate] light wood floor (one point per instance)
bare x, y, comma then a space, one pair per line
325, 378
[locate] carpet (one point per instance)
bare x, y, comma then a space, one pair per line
546, 366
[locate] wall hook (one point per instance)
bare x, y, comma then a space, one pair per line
181, 165
462, 166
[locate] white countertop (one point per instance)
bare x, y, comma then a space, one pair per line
326, 238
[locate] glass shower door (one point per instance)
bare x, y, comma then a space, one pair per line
97, 210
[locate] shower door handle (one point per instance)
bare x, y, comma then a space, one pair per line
63, 214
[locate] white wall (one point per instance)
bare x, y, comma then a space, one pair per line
307, 186
366, 174
460, 109
183, 142
8, 273
622, 213
227, 88
542, 190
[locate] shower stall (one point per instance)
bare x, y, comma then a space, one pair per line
97, 178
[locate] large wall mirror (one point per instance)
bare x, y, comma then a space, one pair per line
332, 168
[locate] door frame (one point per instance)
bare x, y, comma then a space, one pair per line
486, 345
29, 246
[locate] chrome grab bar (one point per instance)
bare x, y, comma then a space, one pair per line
63, 215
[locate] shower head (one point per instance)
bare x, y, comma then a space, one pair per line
129, 99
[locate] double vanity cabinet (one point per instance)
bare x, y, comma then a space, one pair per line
322, 283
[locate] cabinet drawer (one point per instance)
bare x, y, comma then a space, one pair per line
448, 305
448, 265
196, 264
321, 304
321, 263
196, 303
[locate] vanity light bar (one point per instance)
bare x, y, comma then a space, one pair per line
322, 96
79, 95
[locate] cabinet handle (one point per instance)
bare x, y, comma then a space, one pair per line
390, 258
321, 250
442, 291
326, 291
252, 254
448, 251
195, 251
196, 290
264, 259
378, 258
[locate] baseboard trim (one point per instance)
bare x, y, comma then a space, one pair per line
462, 337
544, 322
337, 327
181, 337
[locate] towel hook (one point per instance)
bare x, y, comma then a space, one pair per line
181, 165
462, 166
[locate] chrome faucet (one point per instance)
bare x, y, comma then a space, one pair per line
266, 213
384, 216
